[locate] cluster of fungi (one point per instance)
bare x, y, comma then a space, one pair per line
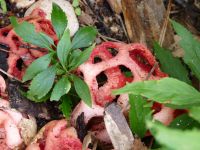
103, 72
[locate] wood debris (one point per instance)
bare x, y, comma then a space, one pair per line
144, 23
117, 128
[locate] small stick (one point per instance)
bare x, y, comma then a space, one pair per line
9, 75
164, 27
102, 37
123, 27
14, 53
4, 50
152, 70
106, 38
33, 48
162, 36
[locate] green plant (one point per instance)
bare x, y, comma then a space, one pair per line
3, 6
140, 112
52, 75
184, 132
77, 9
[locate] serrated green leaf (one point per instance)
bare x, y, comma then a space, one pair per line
82, 90
75, 3
61, 88
81, 58
166, 90
175, 139
171, 65
42, 83
138, 114
194, 112
63, 48
27, 32
184, 122
59, 20
191, 48
66, 106
84, 37
37, 66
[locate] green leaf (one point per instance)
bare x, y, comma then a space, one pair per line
63, 48
13, 21
37, 66
46, 39
66, 106
3, 6
82, 90
128, 74
61, 88
166, 90
59, 20
160, 148
74, 57
27, 32
82, 57
78, 11
37, 100
42, 83
194, 112
191, 48
75, 3
84, 37
184, 122
171, 65
138, 114
175, 139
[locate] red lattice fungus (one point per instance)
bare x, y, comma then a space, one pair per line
20, 57
109, 61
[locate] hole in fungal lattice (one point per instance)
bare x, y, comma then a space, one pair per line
97, 59
126, 72
101, 79
19, 64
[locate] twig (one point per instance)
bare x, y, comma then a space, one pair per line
106, 38
164, 27
102, 37
9, 75
152, 70
33, 48
23, 58
162, 36
123, 27
4, 50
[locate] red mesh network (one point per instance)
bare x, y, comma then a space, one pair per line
135, 57
56, 135
15, 43
108, 58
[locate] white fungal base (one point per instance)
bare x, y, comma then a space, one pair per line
22, 3
46, 6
